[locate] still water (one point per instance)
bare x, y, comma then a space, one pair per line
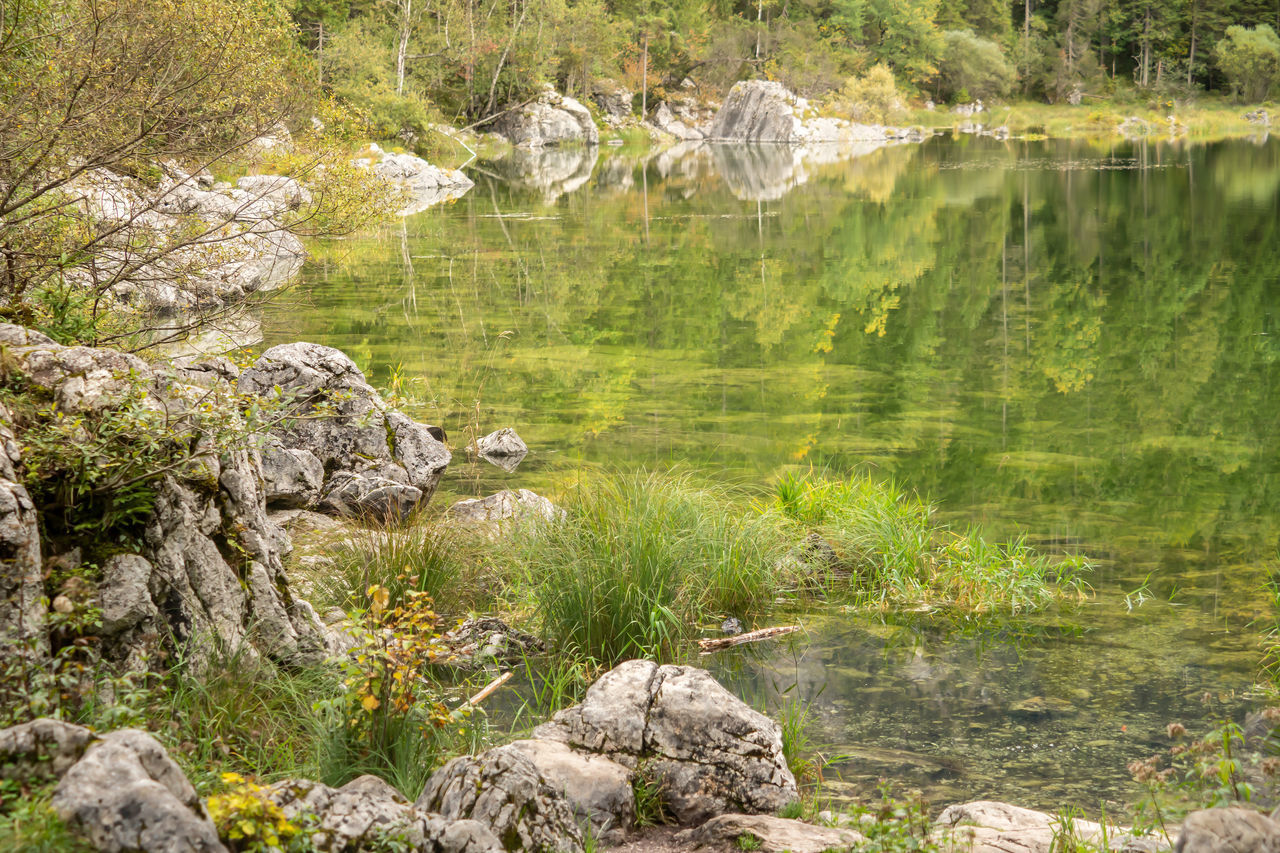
1073, 341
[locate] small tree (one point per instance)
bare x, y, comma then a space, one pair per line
1251, 60
975, 64
873, 97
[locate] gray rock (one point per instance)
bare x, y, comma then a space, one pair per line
986, 826
503, 790
614, 101
665, 120
772, 834
710, 753
367, 812
599, 790
1229, 830
502, 442
554, 172
551, 120
126, 794
424, 185
123, 593
22, 601
483, 640
41, 749
276, 193
505, 505
379, 461
756, 111
369, 496
292, 477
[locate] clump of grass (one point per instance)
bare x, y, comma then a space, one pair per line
797, 744
416, 557
890, 550
29, 823
640, 560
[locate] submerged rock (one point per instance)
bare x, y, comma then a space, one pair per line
485, 639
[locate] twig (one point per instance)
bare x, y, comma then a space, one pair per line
488, 690
714, 644
499, 114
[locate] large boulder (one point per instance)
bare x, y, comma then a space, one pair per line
709, 753
41, 748
599, 790
549, 120
375, 460
126, 794
22, 602
366, 812
504, 790
1228, 831
766, 111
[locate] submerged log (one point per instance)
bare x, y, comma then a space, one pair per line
717, 643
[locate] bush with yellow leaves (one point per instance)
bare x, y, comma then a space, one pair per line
249, 822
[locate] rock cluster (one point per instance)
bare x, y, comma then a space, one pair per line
549, 120
424, 185
234, 239
209, 564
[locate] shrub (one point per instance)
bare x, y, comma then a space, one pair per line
973, 66
872, 98
1250, 58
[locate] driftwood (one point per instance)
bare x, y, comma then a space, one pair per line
488, 690
717, 643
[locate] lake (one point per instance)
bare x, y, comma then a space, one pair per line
1072, 341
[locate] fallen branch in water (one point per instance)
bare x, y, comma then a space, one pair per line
488, 690
715, 644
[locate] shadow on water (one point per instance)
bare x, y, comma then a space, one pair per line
1076, 341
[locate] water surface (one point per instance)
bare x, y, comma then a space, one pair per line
1070, 340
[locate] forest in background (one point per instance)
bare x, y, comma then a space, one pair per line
408, 62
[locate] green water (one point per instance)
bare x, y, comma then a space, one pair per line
1073, 341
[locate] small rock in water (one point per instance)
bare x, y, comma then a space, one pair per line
731, 626
1040, 708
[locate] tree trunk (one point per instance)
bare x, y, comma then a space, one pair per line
406, 11
644, 81
1146, 48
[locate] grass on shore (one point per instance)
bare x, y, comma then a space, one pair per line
1205, 119
642, 563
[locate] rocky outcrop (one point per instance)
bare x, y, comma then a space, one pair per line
366, 813
771, 835
614, 101
423, 185
41, 749
233, 239
709, 752
126, 794
1227, 831
766, 111
208, 571
551, 119
22, 602
504, 790
374, 460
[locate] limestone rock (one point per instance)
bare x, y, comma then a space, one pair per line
986, 826
424, 185
275, 193
552, 119
126, 794
504, 790
614, 101
710, 752
1227, 831
482, 640
376, 460
501, 442
123, 593
505, 505
292, 476
599, 790
42, 748
773, 834
365, 812
756, 111
22, 602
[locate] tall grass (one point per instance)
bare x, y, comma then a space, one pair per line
641, 559
890, 550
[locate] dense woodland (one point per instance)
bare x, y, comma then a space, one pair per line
401, 59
